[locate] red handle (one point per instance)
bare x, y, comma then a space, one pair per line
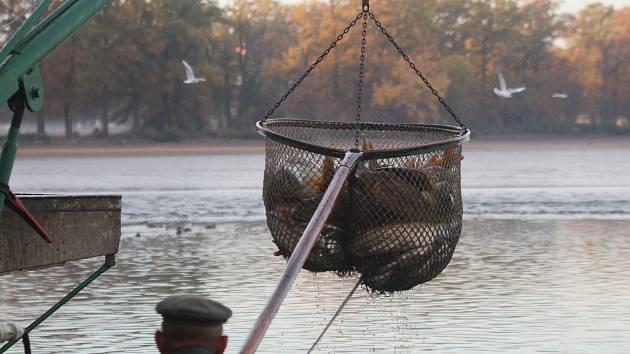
14, 203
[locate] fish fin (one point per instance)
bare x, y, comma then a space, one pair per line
373, 165
315, 181
435, 160
366, 145
412, 163
328, 171
450, 157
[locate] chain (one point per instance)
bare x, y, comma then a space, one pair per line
415, 68
313, 66
363, 15
360, 85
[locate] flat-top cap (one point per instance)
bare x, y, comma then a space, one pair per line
193, 308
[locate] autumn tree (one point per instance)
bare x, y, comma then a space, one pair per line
599, 40
258, 32
125, 64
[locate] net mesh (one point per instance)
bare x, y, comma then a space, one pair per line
398, 219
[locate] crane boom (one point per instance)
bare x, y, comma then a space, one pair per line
20, 81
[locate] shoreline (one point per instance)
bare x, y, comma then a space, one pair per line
103, 148
257, 146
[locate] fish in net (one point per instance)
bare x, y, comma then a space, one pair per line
398, 218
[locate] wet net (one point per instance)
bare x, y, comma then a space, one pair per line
399, 216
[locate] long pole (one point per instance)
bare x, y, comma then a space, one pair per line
301, 252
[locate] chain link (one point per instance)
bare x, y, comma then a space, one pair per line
363, 15
312, 67
357, 134
415, 68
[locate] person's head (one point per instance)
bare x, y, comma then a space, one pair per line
191, 321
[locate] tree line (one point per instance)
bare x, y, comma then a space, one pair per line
124, 65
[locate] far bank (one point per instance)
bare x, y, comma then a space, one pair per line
105, 147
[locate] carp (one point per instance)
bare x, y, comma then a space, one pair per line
328, 253
395, 257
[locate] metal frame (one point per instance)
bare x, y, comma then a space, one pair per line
20, 79
21, 87
350, 160
110, 261
266, 129
26, 49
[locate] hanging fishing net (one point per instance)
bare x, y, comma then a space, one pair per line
399, 216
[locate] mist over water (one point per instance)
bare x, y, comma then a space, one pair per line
541, 266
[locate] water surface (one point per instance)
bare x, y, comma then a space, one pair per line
542, 265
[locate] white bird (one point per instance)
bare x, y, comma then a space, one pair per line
560, 95
190, 74
504, 91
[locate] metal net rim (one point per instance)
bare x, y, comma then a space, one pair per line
459, 135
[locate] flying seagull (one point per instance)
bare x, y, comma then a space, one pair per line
504, 91
560, 95
190, 74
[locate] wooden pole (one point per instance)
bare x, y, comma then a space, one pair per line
301, 252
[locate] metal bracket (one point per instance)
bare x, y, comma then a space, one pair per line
13, 41
27, 343
352, 157
33, 87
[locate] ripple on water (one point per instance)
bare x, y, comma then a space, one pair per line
512, 287
556, 283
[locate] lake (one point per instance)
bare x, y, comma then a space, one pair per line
542, 264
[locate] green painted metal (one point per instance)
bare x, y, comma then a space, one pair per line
34, 46
19, 63
33, 87
110, 261
12, 83
47, 21
8, 155
9, 150
23, 30
21, 86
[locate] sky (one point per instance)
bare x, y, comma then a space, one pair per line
565, 5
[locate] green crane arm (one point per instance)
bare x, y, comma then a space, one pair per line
20, 82
26, 49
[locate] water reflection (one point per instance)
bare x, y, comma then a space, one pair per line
554, 281
512, 287
497, 184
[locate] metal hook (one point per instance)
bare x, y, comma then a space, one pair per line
366, 5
